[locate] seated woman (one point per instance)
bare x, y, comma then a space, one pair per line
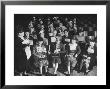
40, 56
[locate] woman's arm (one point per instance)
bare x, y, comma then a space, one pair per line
78, 51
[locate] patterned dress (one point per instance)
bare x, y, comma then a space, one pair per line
40, 56
92, 53
73, 50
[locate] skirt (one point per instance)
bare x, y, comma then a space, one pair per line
28, 52
56, 59
71, 60
40, 61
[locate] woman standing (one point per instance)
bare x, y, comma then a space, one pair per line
92, 50
73, 52
55, 51
27, 42
20, 56
40, 56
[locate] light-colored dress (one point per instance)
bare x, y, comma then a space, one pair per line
27, 48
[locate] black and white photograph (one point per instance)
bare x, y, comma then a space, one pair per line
55, 44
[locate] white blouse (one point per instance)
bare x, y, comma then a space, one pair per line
73, 46
90, 49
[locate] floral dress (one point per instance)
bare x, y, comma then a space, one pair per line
40, 56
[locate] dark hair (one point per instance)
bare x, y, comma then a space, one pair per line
27, 29
40, 39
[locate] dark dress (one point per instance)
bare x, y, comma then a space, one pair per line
55, 56
19, 56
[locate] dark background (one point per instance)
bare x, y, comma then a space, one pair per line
2, 26
24, 19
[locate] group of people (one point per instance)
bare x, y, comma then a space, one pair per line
56, 41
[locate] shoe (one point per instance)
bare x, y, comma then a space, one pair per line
54, 74
25, 74
47, 73
85, 73
68, 75
40, 74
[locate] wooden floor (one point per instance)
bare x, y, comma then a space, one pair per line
60, 73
